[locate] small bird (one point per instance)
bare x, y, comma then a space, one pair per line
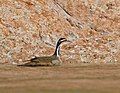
53, 60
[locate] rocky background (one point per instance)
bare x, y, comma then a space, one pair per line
31, 28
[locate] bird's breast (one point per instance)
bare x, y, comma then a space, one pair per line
56, 62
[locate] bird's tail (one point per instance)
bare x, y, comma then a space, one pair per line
23, 62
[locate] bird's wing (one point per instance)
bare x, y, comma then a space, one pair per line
37, 61
42, 59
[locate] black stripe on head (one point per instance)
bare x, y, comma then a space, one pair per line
62, 38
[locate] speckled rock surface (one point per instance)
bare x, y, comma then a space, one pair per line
31, 28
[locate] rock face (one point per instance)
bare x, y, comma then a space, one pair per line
31, 28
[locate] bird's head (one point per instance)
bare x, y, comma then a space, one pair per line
61, 40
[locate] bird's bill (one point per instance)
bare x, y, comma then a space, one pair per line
68, 41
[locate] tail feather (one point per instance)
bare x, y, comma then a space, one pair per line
24, 62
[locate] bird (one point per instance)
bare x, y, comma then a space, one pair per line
53, 60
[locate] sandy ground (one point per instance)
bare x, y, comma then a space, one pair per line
60, 79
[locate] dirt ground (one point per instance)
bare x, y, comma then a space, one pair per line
60, 79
